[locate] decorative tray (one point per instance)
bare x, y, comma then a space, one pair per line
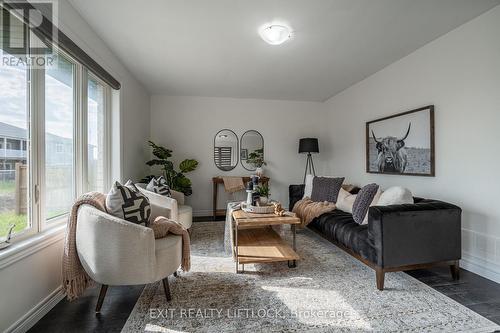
266, 209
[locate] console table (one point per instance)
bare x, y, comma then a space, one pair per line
215, 183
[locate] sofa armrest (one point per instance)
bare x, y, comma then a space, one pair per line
295, 193
161, 205
410, 234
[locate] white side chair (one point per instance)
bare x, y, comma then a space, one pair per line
172, 208
115, 252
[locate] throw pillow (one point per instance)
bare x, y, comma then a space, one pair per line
345, 201
308, 186
128, 203
362, 203
326, 189
395, 195
159, 186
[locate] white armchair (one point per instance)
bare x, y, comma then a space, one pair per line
116, 252
172, 208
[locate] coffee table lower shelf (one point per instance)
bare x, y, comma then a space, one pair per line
263, 245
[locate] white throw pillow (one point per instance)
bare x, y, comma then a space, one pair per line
395, 195
345, 201
308, 186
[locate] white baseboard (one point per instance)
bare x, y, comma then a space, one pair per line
27, 321
481, 267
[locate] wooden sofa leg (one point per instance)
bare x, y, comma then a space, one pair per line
100, 300
380, 279
455, 270
167, 289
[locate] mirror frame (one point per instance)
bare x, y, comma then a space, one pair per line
237, 148
241, 147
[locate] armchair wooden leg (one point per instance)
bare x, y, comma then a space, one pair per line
100, 300
167, 289
455, 270
380, 279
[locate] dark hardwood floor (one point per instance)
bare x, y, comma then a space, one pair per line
473, 291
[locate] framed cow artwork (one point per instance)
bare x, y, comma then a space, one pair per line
402, 144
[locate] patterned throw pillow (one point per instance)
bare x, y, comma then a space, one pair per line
159, 186
362, 203
326, 189
128, 203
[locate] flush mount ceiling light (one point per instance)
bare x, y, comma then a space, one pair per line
275, 34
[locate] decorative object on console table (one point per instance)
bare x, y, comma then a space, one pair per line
215, 185
264, 193
309, 146
402, 144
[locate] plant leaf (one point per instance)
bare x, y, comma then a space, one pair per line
155, 162
188, 165
160, 152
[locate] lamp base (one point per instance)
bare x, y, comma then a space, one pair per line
309, 167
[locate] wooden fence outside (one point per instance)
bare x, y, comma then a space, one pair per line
21, 186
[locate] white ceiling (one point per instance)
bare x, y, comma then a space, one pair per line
212, 47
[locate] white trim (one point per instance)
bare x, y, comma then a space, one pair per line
31, 245
480, 266
29, 319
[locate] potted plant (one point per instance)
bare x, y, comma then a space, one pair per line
176, 180
263, 191
256, 158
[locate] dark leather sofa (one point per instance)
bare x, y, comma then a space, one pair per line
397, 237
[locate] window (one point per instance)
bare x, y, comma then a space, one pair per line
59, 141
96, 147
14, 122
56, 117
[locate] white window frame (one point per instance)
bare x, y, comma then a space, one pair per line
36, 214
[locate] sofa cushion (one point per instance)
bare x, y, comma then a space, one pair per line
128, 203
326, 188
363, 201
308, 186
340, 227
395, 195
159, 185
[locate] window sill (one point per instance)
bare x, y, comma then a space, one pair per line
24, 248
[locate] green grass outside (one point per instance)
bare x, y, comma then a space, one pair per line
7, 219
7, 187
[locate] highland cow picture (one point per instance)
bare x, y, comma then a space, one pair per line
402, 144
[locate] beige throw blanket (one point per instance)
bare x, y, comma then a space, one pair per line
233, 184
307, 210
75, 279
163, 226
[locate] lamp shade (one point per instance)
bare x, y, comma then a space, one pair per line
308, 145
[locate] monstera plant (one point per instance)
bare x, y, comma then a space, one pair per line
176, 180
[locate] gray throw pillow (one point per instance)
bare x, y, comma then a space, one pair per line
159, 185
326, 189
128, 203
362, 203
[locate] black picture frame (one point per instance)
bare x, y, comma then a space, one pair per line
372, 141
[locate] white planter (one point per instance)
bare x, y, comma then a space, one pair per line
263, 200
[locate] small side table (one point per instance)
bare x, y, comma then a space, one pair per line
215, 185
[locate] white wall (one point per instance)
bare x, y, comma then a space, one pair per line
29, 284
460, 74
187, 125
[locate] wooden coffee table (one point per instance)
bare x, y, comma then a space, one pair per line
255, 241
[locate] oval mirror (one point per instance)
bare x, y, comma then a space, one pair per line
252, 150
226, 150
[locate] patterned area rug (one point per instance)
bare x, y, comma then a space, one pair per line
329, 291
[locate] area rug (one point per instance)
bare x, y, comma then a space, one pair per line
328, 291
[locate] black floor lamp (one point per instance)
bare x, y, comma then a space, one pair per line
309, 145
